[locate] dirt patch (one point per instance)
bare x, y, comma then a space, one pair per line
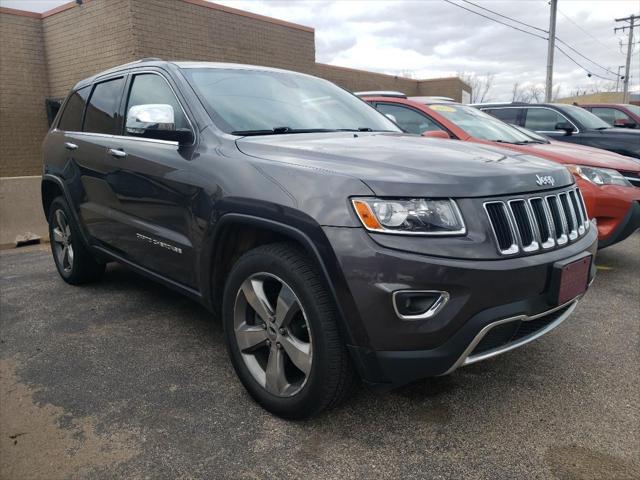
45, 442
579, 463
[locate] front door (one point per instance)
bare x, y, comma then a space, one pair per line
151, 183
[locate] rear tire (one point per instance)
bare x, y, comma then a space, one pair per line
281, 329
74, 262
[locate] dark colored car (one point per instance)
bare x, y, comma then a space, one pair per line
568, 123
616, 114
330, 243
609, 182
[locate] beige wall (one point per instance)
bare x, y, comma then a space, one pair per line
443, 87
360, 80
23, 88
603, 97
21, 210
86, 39
206, 32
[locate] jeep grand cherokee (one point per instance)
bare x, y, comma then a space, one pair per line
331, 244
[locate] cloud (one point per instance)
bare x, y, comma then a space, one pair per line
432, 38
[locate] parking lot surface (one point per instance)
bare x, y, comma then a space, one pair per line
127, 379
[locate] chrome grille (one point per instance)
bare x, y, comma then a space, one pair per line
537, 223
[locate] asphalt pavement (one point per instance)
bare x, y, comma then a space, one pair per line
127, 379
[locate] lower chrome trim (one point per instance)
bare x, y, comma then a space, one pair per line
467, 359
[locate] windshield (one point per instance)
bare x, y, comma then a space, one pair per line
262, 102
633, 108
480, 125
586, 118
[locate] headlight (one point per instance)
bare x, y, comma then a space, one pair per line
412, 216
599, 176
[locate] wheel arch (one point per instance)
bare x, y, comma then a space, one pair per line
227, 246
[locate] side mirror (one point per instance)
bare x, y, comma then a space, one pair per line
436, 134
624, 123
566, 126
156, 120
391, 117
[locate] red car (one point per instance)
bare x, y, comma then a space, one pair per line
616, 114
610, 183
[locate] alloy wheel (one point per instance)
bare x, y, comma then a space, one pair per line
272, 334
61, 238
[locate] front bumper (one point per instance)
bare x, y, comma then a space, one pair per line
625, 227
616, 208
510, 291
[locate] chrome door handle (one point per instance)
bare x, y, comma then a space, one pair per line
70, 146
114, 152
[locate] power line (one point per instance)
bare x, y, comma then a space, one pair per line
585, 69
505, 16
586, 58
495, 20
586, 32
589, 71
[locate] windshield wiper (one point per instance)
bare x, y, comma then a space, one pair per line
281, 130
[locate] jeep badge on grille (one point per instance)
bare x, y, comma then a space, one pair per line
545, 180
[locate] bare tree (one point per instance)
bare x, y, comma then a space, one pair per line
534, 94
480, 85
555, 95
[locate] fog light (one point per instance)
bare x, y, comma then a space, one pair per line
418, 304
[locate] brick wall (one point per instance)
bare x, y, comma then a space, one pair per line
23, 88
86, 39
360, 80
443, 87
197, 30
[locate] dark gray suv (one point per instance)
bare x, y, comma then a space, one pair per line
332, 245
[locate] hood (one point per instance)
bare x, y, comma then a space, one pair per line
570, 153
394, 164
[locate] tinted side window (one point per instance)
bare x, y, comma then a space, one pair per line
409, 119
102, 110
152, 89
71, 119
606, 114
507, 115
543, 119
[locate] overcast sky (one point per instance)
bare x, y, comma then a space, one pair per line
432, 38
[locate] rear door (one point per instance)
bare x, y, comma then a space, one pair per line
102, 119
150, 189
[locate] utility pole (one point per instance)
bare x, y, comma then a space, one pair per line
550, 49
631, 19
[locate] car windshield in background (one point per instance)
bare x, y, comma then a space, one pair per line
633, 108
586, 118
261, 102
481, 125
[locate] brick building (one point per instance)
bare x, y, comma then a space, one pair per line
43, 55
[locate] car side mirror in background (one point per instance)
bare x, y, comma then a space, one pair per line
625, 123
156, 121
391, 117
566, 126
436, 134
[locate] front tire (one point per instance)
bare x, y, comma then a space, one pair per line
282, 334
74, 262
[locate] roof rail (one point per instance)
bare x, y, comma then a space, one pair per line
380, 93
